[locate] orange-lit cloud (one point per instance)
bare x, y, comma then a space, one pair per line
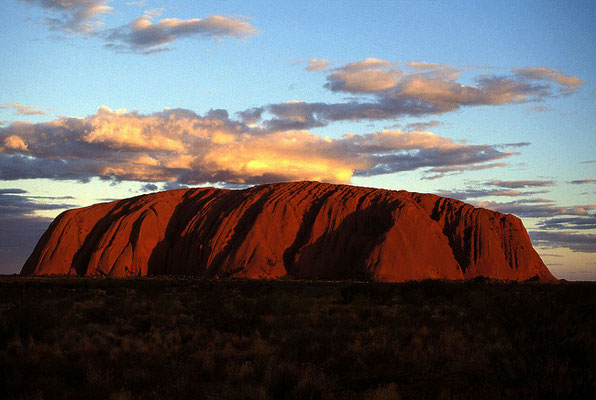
383, 91
370, 75
317, 64
74, 16
435, 69
144, 36
179, 145
570, 83
20, 109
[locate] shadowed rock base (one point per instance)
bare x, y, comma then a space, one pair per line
302, 229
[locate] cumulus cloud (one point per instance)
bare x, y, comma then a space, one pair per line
144, 36
181, 146
317, 64
74, 16
575, 241
20, 109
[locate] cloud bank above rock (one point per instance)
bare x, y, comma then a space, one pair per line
180, 145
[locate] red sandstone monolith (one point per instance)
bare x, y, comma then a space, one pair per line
302, 229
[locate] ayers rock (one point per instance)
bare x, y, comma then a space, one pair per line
302, 229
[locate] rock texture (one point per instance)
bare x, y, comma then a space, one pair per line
303, 229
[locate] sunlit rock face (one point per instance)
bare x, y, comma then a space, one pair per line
303, 229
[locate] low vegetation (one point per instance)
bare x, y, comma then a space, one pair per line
241, 339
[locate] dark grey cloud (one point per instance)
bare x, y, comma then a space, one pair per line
516, 144
252, 115
583, 181
472, 193
149, 187
579, 242
440, 159
12, 191
14, 203
568, 223
536, 208
440, 172
18, 237
520, 184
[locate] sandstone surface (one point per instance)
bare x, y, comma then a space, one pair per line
302, 229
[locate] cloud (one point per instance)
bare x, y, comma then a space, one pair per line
149, 187
20, 109
435, 69
569, 83
535, 208
18, 237
382, 91
538, 109
317, 64
566, 223
370, 75
251, 116
15, 203
476, 193
144, 36
422, 126
583, 181
20, 227
520, 184
575, 241
12, 191
517, 144
442, 171
181, 146
74, 16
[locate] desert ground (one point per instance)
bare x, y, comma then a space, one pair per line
175, 337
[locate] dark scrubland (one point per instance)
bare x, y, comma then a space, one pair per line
183, 338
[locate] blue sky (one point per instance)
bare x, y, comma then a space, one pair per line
431, 95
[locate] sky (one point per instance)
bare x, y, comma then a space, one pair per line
491, 103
